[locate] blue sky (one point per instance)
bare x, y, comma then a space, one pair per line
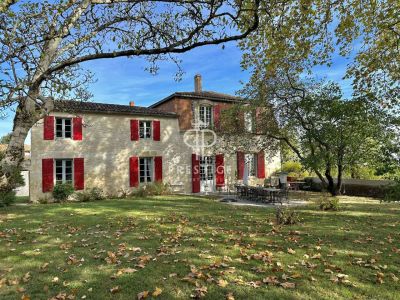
122, 80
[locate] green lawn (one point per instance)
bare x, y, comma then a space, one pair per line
187, 246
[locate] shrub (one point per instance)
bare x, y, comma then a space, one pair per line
392, 192
7, 198
152, 189
328, 203
93, 194
286, 216
294, 169
62, 191
312, 185
43, 200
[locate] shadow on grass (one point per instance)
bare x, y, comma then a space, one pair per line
181, 231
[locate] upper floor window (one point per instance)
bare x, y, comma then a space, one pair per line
146, 169
250, 161
145, 129
63, 171
248, 121
205, 116
64, 128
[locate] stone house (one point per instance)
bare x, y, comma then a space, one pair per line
120, 147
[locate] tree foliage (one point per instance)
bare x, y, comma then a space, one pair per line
328, 134
311, 32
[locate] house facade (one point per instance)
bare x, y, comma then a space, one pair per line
118, 148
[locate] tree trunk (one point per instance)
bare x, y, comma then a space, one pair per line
27, 114
331, 184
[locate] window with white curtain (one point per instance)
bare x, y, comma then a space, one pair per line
146, 169
248, 121
145, 129
250, 160
205, 116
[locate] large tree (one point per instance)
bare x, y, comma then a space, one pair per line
43, 43
328, 134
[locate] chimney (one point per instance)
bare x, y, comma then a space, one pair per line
132, 103
197, 83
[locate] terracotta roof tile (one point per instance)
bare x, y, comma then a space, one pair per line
106, 108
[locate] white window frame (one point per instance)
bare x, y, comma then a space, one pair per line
207, 112
248, 121
145, 127
250, 159
144, 179
63, 128
63, 171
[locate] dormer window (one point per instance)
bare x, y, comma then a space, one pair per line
205, 116
145, 129
64, 128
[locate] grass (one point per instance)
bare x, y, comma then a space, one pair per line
22, 199
87, 250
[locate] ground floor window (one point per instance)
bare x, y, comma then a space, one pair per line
206, 168
64, 171
146, 169
251, 163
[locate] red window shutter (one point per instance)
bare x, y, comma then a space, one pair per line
240, 165
48, 128
219, 170
195, 173
158, 168
77, 129
156, 130
217, 113
79, 174
134, 171
134, 130
47, 175
261, 165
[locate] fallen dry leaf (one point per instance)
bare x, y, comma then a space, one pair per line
291, 251
157, 292
115, 289
288, 285
229, 296
222, 283
143, 295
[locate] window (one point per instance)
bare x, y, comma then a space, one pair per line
145, 129
64, 171
248, 121
146, 169
250, 161
205, 116
206, 168
64, 128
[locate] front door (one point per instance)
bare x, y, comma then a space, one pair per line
207, 174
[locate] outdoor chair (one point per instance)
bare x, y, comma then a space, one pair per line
283, 194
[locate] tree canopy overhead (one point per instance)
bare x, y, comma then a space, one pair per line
42, 44
294, 36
